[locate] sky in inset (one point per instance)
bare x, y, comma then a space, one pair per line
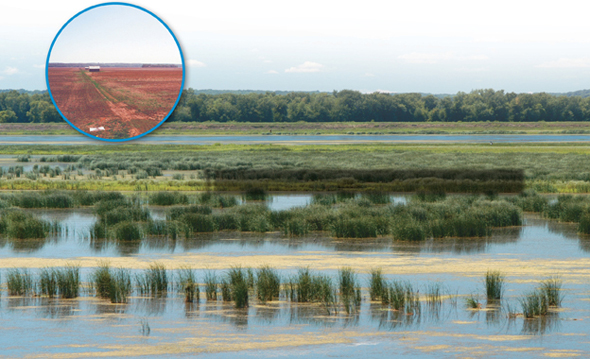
115, 33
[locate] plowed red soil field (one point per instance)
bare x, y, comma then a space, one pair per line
126, 102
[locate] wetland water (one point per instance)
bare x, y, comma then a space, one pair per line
39, 327
295, 139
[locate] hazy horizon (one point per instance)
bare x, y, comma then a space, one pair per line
428, 46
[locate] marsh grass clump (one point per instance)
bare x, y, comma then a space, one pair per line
120, 287
434, 295
552, 290
168, 198
127, 231
268, 284
238, 285
296, 227
217, 200
377, 197
534, 304
225, 288
306, 287
377, 284
187, 284
402, 297
472, 302
350, 292
68, 281
255, 194
22, 225
355, 227
112, 284
19, 282
211, 285
153, 281
494, 285
48, 282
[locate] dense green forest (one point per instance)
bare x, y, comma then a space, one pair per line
338, 106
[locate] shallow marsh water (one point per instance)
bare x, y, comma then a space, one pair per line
37, 327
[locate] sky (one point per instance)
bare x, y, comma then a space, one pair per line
115, 34
418, 46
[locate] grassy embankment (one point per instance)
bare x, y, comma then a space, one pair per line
323, 128
547, 168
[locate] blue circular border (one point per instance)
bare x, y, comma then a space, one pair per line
121, 4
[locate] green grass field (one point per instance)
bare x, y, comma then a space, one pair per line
324, 128
548, 168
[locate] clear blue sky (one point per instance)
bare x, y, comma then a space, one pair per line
115, 34
423, 46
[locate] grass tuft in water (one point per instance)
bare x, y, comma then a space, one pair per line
552, 289
377, 284
187, 284
211, 285
494, 283
472, 302
19, 282
350, 292
153, 281
238, 284
268, 284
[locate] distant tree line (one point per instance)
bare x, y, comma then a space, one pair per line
24, 107
338, 106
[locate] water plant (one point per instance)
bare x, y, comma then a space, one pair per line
472, 302
551, 288
434, 295
211, 285
377, 284
534, 304
238, 284
268, 284
19, 281
350, 292
112, 284
153, 281
187, 284
494, 285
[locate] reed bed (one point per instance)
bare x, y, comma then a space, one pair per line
268, 284
307, 287
494, 285
63, 281
211, 284
188, 285
238, 286
537, 302
377, 284
350, 292
19, 224
153, 281
472, 302
434, 296
113, 284
19, 282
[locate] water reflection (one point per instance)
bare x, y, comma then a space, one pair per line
541, 325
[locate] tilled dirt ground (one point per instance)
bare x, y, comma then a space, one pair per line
125, 102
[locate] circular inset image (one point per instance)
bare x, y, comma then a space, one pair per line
115, 71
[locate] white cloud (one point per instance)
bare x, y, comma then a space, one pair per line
10, 70
566, 63
368, 74
272, 72
307, 66
39, 66
195, 63
433, 58
1, 77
